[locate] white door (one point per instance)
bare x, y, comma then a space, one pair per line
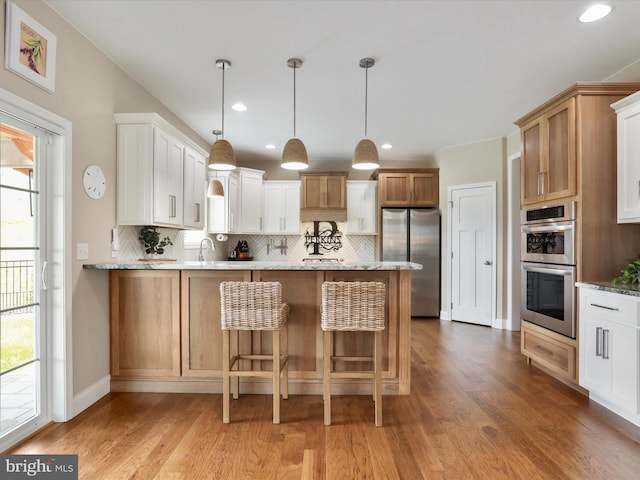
472, 219
23, 260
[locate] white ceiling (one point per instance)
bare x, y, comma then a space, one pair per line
446, 72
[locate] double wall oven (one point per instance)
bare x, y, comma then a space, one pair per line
549, 267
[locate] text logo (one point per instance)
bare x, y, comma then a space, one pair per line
52, 467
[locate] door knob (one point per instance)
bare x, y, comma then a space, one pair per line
487, 262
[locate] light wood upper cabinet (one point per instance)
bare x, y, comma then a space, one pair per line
628, 121
549, 155
145, 323
323, 196
404, 187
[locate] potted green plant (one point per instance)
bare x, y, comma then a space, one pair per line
630, 274
153, 244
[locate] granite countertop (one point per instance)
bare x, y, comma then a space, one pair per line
253, 265
632, 290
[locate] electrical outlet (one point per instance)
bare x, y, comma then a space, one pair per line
82, 251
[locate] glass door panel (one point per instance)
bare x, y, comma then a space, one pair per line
20, 266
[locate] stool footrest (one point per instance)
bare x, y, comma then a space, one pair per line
343, 358
352, 374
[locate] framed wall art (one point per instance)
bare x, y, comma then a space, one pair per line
30, 49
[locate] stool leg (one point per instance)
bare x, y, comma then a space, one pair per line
226, 340
236, 379
328, 349
285, 352
377, 378
276, 376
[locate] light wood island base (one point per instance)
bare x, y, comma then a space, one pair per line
166, 335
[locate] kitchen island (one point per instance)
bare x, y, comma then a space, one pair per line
166, 335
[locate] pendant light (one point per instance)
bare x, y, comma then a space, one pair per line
294, 154
221, 156
216, 189
365, 156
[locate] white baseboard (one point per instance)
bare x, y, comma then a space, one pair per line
444, 315
91, 395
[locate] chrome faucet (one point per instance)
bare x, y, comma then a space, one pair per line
213, 247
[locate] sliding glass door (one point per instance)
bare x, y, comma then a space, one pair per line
23, 262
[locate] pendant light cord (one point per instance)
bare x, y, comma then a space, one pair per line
366, 95
294, 101
223, 69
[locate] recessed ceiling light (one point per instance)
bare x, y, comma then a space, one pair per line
386, 146
595, 12
269, 146
239, 107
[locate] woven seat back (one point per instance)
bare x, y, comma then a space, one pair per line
353, 305
252, 306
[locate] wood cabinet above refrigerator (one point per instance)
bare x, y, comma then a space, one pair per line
402, 187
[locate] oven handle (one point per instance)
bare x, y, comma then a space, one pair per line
546, 228
554, 271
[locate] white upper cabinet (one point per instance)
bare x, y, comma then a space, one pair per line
194, 189
628, 111
250, 197
222, 212
151, 183
281, 207
361, 207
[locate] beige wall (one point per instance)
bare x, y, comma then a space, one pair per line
468, 164
89, 90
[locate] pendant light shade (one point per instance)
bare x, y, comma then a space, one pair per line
221, 156
365, 156
294, 154
215, 189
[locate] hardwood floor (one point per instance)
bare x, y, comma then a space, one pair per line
477, 411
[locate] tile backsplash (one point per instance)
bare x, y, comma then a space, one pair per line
271, 248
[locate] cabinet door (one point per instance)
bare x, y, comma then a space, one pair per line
559, 173
424, 189
194, 189
201, 332
595, 370
531, 162
361, 208
250, 202
168, 156
272, 209
629, 165
145, 323
621, 344
312, 191
335, 196
291, 208
394, 189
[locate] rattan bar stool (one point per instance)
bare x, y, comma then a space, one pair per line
353, 306
253, 306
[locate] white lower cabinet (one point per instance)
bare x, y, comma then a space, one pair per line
281, 207
609, 350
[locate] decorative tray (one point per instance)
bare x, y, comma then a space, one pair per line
234, 259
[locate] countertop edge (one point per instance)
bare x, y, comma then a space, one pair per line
632, 291
253, 265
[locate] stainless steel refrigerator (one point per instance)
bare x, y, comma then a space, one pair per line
413, 235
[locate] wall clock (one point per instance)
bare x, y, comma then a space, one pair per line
94, 182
